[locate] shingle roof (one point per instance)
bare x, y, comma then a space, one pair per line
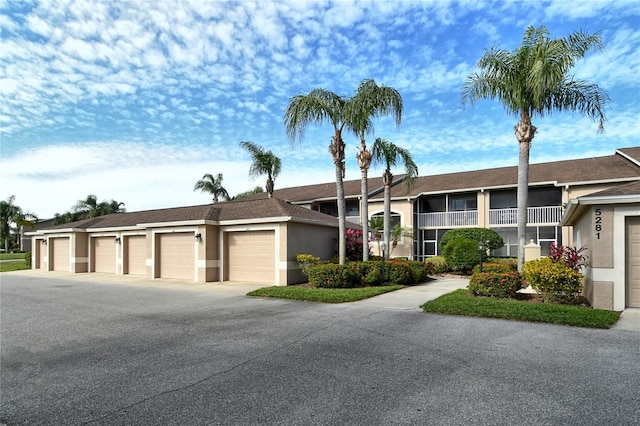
632, 188
232, 210
562, 172
322, 191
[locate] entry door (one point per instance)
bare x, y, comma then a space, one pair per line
633, 263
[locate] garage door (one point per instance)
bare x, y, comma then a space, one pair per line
104, 254
177, 255
251, 256
633, 262
60, 254
136, 255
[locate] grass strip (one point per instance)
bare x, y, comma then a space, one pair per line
11, 256
18, 265
325, 295
461, 302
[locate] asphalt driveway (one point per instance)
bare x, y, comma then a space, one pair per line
76, 351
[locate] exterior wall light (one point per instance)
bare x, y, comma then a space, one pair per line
44, 242
198, 237
117, 240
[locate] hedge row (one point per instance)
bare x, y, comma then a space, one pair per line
360, 274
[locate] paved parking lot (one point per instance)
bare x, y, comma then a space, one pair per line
77, 350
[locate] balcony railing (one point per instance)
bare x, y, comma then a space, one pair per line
448, 219
535, 215
353, 219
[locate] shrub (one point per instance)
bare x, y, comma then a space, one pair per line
306, 261
354, 244
462, 254
398, 272
573, 257
438, 264
330, 275
27, 259
555, 280
373, 277
420, 271
495, 267
492, 239
495, 284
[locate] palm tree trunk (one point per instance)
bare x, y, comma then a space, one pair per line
364, 215
387, 177
525, 132
364, 161
337, 152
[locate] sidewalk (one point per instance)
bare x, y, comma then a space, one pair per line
410, 298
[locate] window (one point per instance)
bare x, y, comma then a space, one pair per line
394, 219
546, 196
463, 202
504, 199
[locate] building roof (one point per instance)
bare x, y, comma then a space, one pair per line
238, 210
627, 194
623, 165
568, 172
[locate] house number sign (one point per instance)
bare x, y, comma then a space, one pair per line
597, 222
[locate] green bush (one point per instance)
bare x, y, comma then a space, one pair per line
373, 277
421, 271
556, 281
495, 267
306, 261
438, 264
495, 284
492, 239
462, 254
330, 275
27, 259
512, 261
398, 272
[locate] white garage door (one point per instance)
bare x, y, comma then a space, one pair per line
60, 254
177, 255
633, 262
104, 254
251, 256
136, 254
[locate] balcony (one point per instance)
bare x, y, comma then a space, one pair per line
535, 216
353, 219
448, 219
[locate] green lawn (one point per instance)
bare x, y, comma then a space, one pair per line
326, 295
11, 256
461, 302
13, 265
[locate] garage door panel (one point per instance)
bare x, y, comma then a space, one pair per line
60, 255
136, 249
104, 254
251, 256
177, 255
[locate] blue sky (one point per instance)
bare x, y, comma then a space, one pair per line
135, 101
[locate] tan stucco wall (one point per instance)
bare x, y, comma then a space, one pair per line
79, 252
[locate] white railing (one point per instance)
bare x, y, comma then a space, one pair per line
448, 219
535, 215
353, 219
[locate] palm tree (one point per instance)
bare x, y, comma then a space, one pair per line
212, 185
370, 101
11, 213
320, 106
256, 190
90, 208
264, 162
533, 81
389, 154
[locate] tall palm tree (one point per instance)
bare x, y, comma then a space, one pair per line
370, 101
264, 162
212, 185
532, 81
90, 208
390, 155
320, 106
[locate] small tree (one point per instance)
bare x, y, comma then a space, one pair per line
212, 185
